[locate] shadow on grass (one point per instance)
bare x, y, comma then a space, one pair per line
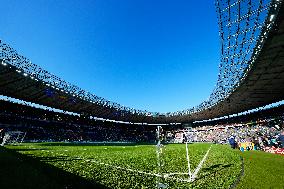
103, 143
212, 170
91, 144
21, 171
216, 167
30, 149
56, 159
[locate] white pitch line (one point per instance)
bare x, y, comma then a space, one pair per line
142, 172
188, 162
169, 174
194, 175
126, 169
165, 176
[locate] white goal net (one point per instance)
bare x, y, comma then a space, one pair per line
13, 137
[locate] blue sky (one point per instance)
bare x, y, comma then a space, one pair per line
156, 55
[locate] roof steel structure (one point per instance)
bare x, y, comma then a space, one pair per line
251, 71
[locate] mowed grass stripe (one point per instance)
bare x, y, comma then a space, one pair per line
18, 171
220, 170
262, 170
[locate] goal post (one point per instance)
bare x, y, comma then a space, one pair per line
13, 137
192, 172
160, 161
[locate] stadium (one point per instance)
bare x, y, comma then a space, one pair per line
55, 134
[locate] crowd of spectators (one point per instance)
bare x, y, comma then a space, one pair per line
263, 129
260, 135
43, 125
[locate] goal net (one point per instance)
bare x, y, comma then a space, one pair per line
13, 137
188, 174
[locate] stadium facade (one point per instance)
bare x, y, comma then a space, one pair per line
251, 72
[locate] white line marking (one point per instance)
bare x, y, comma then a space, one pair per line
167, 176
194, 175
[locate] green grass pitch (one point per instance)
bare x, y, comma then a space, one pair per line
69, 165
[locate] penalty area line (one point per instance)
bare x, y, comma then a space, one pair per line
165, 176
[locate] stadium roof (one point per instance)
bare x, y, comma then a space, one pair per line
251, 72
